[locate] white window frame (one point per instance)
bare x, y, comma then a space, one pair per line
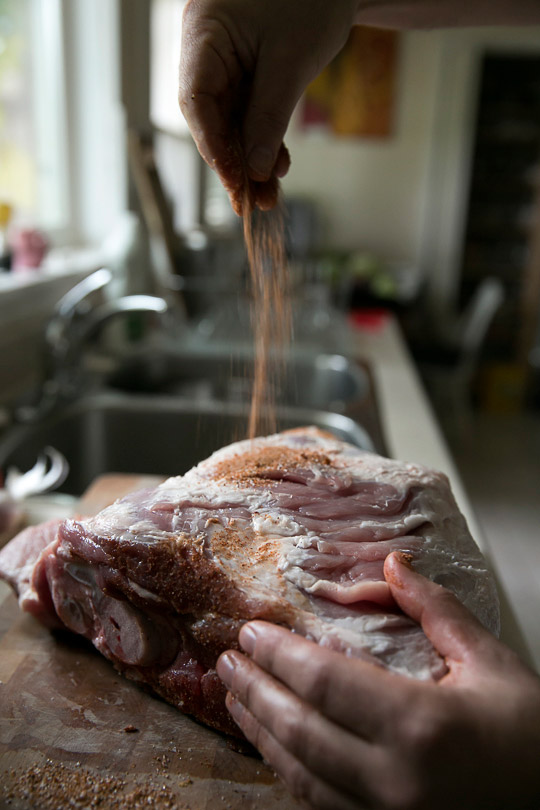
78, 118
50, 115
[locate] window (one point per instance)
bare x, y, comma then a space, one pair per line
33, 177
165, 57
198, 196
62, 131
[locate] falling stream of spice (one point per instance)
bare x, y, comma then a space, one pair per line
264, 235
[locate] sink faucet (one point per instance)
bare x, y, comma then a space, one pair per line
128, 304
73, 323
75, 303
68, 356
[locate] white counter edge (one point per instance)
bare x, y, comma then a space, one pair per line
413, 434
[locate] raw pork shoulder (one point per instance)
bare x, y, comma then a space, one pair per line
292, 528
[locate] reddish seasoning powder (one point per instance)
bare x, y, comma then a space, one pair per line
264, 236
57, 786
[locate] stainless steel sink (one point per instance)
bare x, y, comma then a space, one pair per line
328, 381
316, 381
114, 431
162, 410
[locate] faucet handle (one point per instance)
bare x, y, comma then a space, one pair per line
70, 304
128, 304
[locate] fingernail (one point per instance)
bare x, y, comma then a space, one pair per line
261, 162
247, 638
234, 706
392, 572
405, 559
225, 668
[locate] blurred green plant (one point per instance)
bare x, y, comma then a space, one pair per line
358, 269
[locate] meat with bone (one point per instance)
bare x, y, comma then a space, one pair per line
292, 528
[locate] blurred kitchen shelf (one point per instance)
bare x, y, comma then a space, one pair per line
503, 221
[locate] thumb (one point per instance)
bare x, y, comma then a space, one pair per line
273, 97
449, 625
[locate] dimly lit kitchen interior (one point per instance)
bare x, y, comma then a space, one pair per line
412, 211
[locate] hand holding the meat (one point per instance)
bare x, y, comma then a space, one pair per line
344, 734
244, 66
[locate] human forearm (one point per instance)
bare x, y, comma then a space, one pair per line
407, 14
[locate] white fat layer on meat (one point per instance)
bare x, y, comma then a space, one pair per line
145, 530
123, 519
241, 562
310, 540
351, 461
144, 593
382, 638
276, 525
196, 489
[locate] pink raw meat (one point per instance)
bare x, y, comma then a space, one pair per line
292, 528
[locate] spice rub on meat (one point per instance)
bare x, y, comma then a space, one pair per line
292, 528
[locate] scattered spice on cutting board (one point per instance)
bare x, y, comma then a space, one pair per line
55, 786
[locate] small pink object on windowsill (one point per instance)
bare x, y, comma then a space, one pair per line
372, 319
29, 249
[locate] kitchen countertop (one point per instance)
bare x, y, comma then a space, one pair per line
413, 434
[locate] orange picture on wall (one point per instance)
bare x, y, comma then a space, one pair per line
355, 94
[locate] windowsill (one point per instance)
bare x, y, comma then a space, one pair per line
27, 302
60, 263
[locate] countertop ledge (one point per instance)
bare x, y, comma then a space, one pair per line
413, 434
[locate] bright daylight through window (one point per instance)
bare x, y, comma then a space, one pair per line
33, 187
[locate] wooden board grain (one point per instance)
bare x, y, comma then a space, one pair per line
73, 730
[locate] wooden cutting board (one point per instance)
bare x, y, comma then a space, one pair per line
73, 730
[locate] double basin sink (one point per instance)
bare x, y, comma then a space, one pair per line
162, 414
